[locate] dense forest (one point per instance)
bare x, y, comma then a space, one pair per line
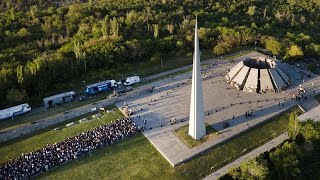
297, 158
46, 44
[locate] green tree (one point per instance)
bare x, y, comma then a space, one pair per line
227, 40
220, 49
23, 33
293, 52
310, 131
114, 26
313, 49
20, 75
155, 30
252, 169
16, 96
206, 36
34, 11
272, 45
294, 125
170, 28
13, 14
286, 160
135, 48
251, 10
90, 3
105, 27
156, 58
80, 54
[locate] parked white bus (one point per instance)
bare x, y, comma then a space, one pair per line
14, 111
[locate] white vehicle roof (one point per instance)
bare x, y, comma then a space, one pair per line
59, 96
132, 77
99, 83
5, 113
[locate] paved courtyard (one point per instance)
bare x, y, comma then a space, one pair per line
222, 103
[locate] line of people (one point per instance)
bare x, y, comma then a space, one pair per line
41, 160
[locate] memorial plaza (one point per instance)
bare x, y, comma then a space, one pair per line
228, 110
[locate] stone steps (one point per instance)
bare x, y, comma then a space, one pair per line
309, 104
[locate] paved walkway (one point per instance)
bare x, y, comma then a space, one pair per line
256, 152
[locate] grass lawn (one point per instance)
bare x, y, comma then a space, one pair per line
182, 134
16, 147
317, 97
136, 158
133, 158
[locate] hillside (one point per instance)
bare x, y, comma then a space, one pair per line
44, 45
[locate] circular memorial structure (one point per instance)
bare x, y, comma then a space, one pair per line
258, 76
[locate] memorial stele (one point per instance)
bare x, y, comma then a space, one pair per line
197, 128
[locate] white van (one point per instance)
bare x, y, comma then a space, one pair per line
132, 80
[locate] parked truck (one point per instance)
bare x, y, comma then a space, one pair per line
100, 86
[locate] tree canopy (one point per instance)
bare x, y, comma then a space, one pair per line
44, 44
296, 158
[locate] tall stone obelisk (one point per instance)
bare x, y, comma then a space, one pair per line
196, 121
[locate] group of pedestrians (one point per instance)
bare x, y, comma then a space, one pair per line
50, 156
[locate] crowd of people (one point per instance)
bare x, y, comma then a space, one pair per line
41, 160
